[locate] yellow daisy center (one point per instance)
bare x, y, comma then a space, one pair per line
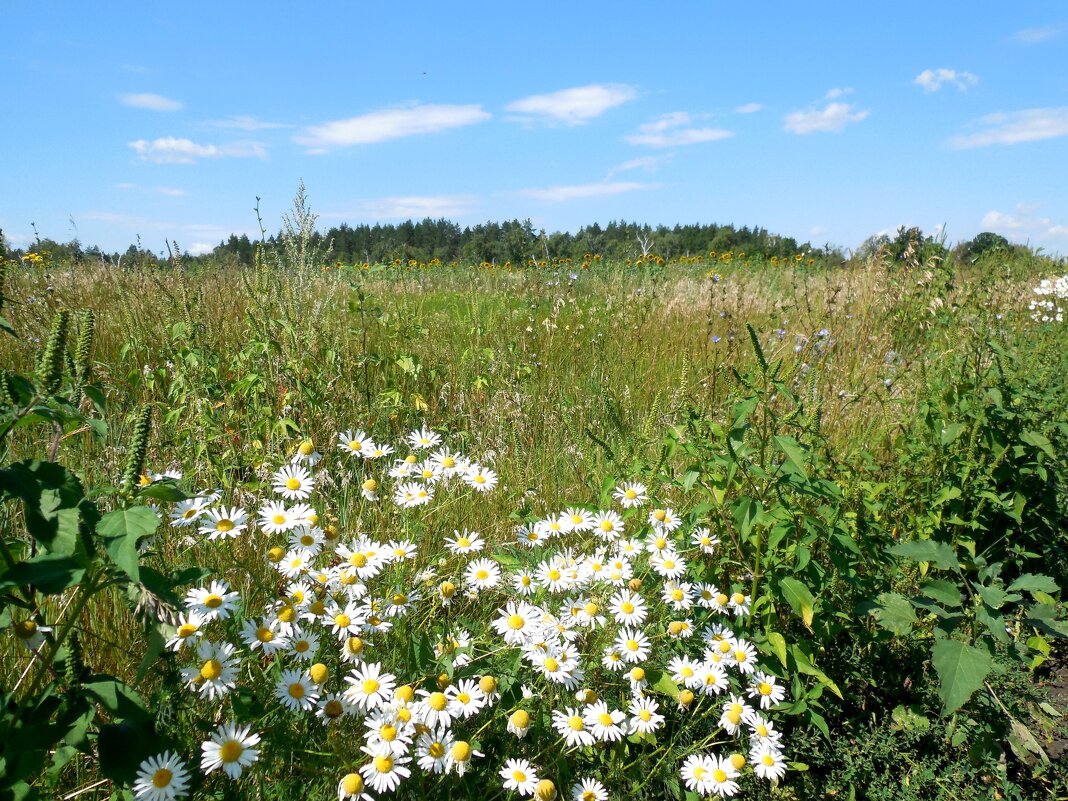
296, 690
213, 601
369, 686
630, 495
604, 719
162, 778
211, 670
515, 622
231, 751
352, 784
293, 483
436, 750
186, 630
461, 751
333, 708
719, 775
224, 525
264, 634
383, 764
358, 560
576, 723
437, 701
342, 621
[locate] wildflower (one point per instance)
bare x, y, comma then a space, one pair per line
524, 583
630, 495
519, 723
480, 478
762, 730
215, 672
386, 770
735, 710
589, 789
411, 494
684, 671
369, 687
633, 644
401, 550
743, 656
604, 723
266, 637
466, 699
739, 604
392, 728
768, 761
703, 539
352, 443
628, 608
293, 482
644, 718
351, 788
332, 707
764, 687
189, 624
295, 691
306, 454
519, 775
664, 520
464, 542
607, 525
224, 523
679, 596
483, 574
581, 519
230, 748
460, 755
376, 450
571, 725
187, 511
432, 752
518, 622
433, 709
668, 564
215, 602
423, 438
163, 777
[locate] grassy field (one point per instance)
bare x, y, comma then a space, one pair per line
876, 448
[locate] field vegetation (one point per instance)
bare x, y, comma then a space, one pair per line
718, 523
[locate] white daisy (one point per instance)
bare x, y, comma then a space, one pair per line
296, 691
294, 482
231, 748
223, 523
386, 770
163, 777
214, 602
630, 495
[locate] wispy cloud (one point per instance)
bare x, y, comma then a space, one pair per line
415, 207
392, 123
644, 163
1027, 125
244, 122
933, 80
150, 102
160, 190
572, 106
838, 91
557, 194
1024, 221
673, 130
748, 108
172, 150
832, 117
1037, 35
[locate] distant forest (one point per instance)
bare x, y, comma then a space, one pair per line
517, 242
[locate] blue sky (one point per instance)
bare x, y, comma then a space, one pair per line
828, 122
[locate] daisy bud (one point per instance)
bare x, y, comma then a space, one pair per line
444, 681
587, 696
545, 790
276, 554
488, 684
635, 584
447, 589
405, 693
675, 628
319, 673
737, 761
351, 786
685, 698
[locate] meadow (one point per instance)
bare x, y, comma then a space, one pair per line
711, 527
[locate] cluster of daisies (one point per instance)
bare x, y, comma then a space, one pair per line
1052, 294
611, 632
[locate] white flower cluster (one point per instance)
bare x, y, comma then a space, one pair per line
1053, 296
612, 621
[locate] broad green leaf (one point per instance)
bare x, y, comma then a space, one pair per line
939, 554
778, 645
1040, 442
796, 459
1034, 582
666, 686
894, 613
122, 530
804, 665
945, 592
53, 501
994, 597
799, 598
909, 718
961, 669
49, 573
119, 699
123, 746
746, 511
165, 490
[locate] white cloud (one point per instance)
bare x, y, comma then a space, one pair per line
1037, 35
1023, 222
200, 248
646, 163
833, 117
833, 94
572, 106
415, 207
150, 102
557, 194
1028, 125
393, 123
671, 130
244, 122
171, 150
748, 108
933, 80
161, 190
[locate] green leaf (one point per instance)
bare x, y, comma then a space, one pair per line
945, 592
939, 554
804, 665
49, 573
799, 598
778, 645
909, 718
795, 455
894, 613
1034, 582
746, 511
666, 686
164, 490
118, 698
961, 669
124, 746
122, 530
994, 597
1039, 441
53, 501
